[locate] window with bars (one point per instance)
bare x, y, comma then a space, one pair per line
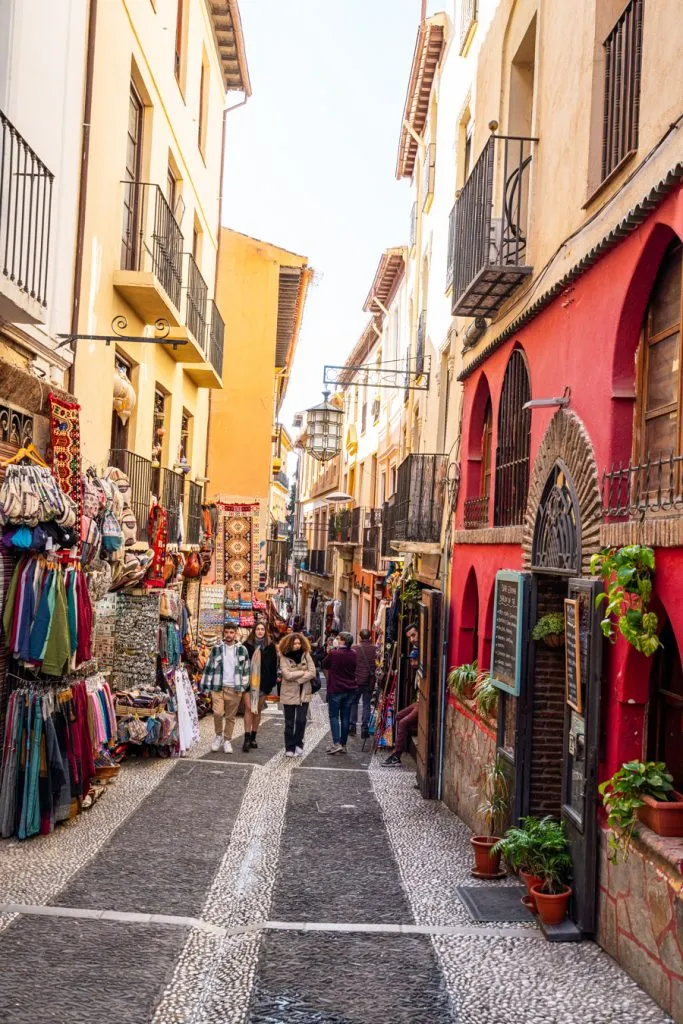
623, 53
665, 710
468, 23
514, 444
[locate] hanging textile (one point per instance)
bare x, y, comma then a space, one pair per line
158, 539
188, 720
66, 450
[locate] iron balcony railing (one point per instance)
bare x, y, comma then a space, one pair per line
281, 478
25, 213
171, 497
638, 489
344, 526
420, 352
388, 519
372, 540
420, 498
476, 512
276, 562
468, 16
623, 53
197, 303
139, 473
315, 562
451, 248
152, 239
194, 512
490, 234
216, 338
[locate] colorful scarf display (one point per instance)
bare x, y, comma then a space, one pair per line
158, 539
66, 450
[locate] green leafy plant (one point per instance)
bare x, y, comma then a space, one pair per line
521, 843
462, 678
410, 596
627, 573
623, 794
495, 805
552, 861
485, 695
549, 625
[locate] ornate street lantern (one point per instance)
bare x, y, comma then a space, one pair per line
324, 424
299, 549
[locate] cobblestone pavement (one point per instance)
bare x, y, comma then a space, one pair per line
254, 889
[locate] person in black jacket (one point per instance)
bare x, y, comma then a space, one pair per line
263, 680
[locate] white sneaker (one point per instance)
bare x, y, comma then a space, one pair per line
227, 747
298, 751
290, 753
216, 745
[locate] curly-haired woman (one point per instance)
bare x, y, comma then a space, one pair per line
297, 669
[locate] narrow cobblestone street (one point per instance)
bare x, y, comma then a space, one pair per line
253, 890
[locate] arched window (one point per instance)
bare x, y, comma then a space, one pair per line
660, 384
486, 437
479, 460
665, 710
514, 443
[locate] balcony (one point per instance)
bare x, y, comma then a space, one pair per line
276, 562
420, 351
139, 473
388, 521
25, 225
344, 527
372, 538
282, 479
196, 353
651, 487
151, 274
193, 506
315, 562
172, 485
450, 258
476, 513
420, 500
413, 225
489, 249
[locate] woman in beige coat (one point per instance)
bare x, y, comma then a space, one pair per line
297, 669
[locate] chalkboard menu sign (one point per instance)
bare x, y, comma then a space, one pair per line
506, 656
573, 654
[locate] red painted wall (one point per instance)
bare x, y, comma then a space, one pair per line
586, 339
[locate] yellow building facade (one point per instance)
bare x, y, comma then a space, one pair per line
262, 288
149, 232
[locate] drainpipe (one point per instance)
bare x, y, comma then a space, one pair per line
83, 186
417, 291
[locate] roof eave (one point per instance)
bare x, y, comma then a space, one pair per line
431, 35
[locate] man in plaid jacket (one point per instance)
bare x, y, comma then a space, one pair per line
226, 677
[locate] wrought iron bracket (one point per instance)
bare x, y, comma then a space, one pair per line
119, 324
379, 377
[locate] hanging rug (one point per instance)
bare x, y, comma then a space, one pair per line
66, 450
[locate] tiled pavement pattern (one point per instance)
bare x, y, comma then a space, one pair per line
250, 839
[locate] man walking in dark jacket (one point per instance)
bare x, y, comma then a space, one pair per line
366, 660
341, 688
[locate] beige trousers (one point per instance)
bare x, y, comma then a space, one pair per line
225, 704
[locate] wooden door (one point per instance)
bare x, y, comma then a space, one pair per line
429, 704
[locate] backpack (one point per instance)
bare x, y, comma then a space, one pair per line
112, 535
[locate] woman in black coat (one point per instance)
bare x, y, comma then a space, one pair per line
263, 680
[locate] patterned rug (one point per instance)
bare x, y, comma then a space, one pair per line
66, 449
237, 561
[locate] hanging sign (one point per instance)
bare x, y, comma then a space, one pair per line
508, 630
573, 654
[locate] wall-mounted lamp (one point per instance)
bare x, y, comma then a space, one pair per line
549, 403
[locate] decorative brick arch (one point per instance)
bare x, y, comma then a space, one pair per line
566, 439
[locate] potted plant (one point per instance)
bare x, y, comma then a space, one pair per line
640, 790
550, 629
485, 695
495, 810
462, 680
627, 573
553, 865
518, 846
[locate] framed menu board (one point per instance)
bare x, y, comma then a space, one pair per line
508, 623
572, 649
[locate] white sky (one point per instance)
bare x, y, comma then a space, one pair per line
310, 158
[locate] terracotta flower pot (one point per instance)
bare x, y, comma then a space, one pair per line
665, 817
530, 881
486, 864
554, 640
552, 908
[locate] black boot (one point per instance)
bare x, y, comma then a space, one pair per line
246, 746
252, 741
352, 729
364, 732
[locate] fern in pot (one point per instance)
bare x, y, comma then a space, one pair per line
495, 808
553, 865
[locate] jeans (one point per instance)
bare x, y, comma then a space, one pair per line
339, 707
295, 724
366, 694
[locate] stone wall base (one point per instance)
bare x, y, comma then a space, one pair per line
640, 921
468, 746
